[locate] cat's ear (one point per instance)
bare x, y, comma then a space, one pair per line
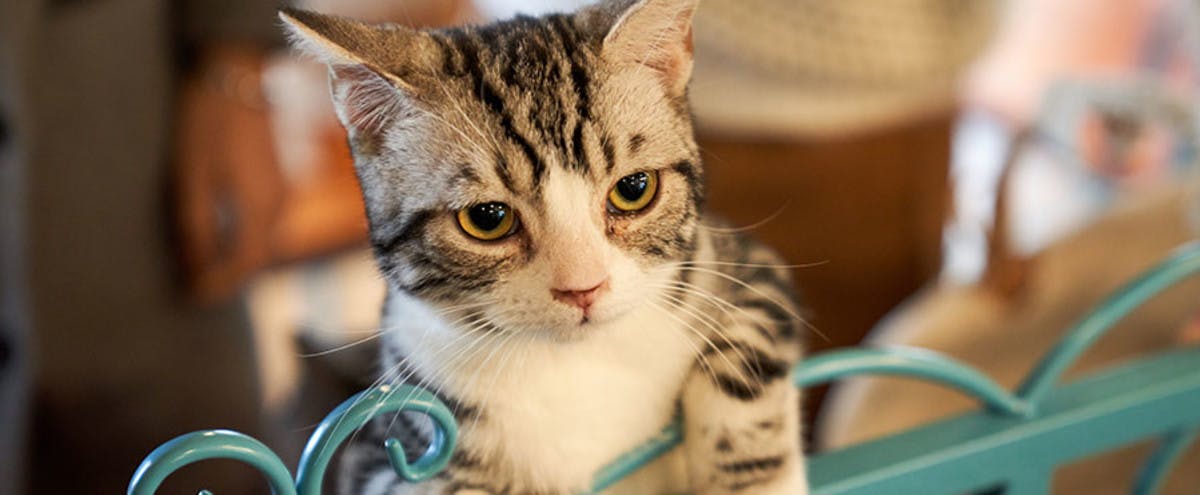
656, 34
367, 64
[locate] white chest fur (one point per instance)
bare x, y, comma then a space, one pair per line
558, 412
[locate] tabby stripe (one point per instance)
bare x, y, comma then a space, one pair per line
782, 321
763, 368
425, 285
580, 164
466, 174
752, 465
502, 171
755, 363
488, 94
449, 67
405, 234
738, 388
580, 79
689, 172
610, 155
757, 370
635, 143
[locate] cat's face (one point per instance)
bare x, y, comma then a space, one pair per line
539, 171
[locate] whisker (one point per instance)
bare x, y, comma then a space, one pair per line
703, 360
755, 225
745, 265
741, 357
762, 294
710, 344
375, 334
342, 347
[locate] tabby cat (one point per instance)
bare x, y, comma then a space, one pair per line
534, 194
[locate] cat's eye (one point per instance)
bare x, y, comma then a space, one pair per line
633, 192
487, 221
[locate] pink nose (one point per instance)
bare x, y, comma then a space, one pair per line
581, 299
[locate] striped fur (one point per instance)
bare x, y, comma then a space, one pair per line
546, 114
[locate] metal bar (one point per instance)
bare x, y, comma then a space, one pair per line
1163, 459
1141, 400
1184, 263
668, 439
908, 361
1030, 482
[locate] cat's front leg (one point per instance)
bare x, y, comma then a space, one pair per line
742, 423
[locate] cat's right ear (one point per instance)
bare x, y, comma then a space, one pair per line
365, 65
656, 34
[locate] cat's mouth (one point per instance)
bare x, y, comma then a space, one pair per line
580, 325
599, 315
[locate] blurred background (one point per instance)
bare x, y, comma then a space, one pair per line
182, 244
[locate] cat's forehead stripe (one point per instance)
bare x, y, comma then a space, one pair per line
487, 92
534, 78
635, 143
500, 166
610, 154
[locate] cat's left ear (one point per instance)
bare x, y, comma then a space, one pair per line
656, 34
373, 68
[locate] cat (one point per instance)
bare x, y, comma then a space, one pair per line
534, 195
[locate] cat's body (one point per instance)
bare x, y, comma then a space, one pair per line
534, 192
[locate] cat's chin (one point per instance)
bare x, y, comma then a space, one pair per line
582, 329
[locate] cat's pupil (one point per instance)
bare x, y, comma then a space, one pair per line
632, 187
488, 216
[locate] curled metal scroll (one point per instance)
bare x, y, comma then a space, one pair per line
211, 444
347, 418
356, 412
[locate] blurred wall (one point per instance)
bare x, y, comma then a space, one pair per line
121, 362
14, 331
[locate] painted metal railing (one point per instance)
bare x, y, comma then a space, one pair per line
1014, 443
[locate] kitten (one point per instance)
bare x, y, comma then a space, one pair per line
534, 194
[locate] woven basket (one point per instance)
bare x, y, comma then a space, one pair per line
805, 66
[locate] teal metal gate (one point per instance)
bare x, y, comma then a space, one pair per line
1013, 444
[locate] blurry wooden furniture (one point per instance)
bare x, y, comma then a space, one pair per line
237, 210
868, 208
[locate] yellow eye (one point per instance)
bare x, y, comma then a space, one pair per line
633, 192
487, 221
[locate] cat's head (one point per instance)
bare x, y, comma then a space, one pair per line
543, 169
